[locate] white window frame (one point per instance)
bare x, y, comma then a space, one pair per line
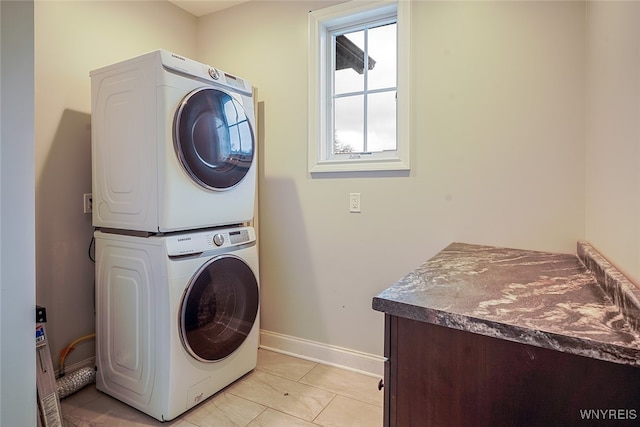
321, 22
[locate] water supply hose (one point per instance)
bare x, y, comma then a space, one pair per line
68, 349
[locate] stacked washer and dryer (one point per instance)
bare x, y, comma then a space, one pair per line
174, 184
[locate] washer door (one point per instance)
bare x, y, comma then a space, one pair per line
219, 308
213, 138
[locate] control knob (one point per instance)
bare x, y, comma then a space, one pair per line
218, 239
214, 73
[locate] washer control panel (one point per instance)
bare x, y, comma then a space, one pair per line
192, 243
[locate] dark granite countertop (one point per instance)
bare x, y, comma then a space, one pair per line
577, 304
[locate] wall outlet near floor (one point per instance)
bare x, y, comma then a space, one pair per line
88, 203
354, 202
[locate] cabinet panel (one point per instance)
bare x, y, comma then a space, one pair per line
446, 377
390, 370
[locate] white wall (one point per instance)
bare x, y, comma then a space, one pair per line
17, 231
613, 133
71, 39
498, 150
497, 158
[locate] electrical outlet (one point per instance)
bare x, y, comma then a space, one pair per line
87, 203
354, 202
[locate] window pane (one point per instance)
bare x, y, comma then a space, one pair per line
349, 63
381, 121
349, 124
382, 48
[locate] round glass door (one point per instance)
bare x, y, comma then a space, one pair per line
213, 138
219, 308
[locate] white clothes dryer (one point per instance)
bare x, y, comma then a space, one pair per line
177, 316
173, 145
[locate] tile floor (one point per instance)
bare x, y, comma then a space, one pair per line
282, 391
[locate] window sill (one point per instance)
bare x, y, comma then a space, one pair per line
360, 166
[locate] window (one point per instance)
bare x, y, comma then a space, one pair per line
359, 97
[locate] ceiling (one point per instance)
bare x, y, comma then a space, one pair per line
204, 7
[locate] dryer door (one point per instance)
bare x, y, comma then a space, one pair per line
219, 308
213, 138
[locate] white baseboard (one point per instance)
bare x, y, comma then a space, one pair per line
364, 363
352, 360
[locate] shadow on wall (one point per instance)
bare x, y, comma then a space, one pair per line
64, 272
288, 287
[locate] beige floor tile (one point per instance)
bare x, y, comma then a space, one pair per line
224, 410
106, 411
346, 412
269, 396
347, 383
111, 422
281, 394
79, 399
282, 365
271, 418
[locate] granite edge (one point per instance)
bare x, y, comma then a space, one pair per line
624, 294
523, 335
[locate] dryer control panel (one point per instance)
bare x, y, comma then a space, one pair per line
203, 241
178, 63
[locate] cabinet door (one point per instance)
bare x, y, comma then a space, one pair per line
448, 377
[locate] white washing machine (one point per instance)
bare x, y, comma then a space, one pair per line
173, 145
177, 316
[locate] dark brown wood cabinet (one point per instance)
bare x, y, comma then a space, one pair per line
438, 376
